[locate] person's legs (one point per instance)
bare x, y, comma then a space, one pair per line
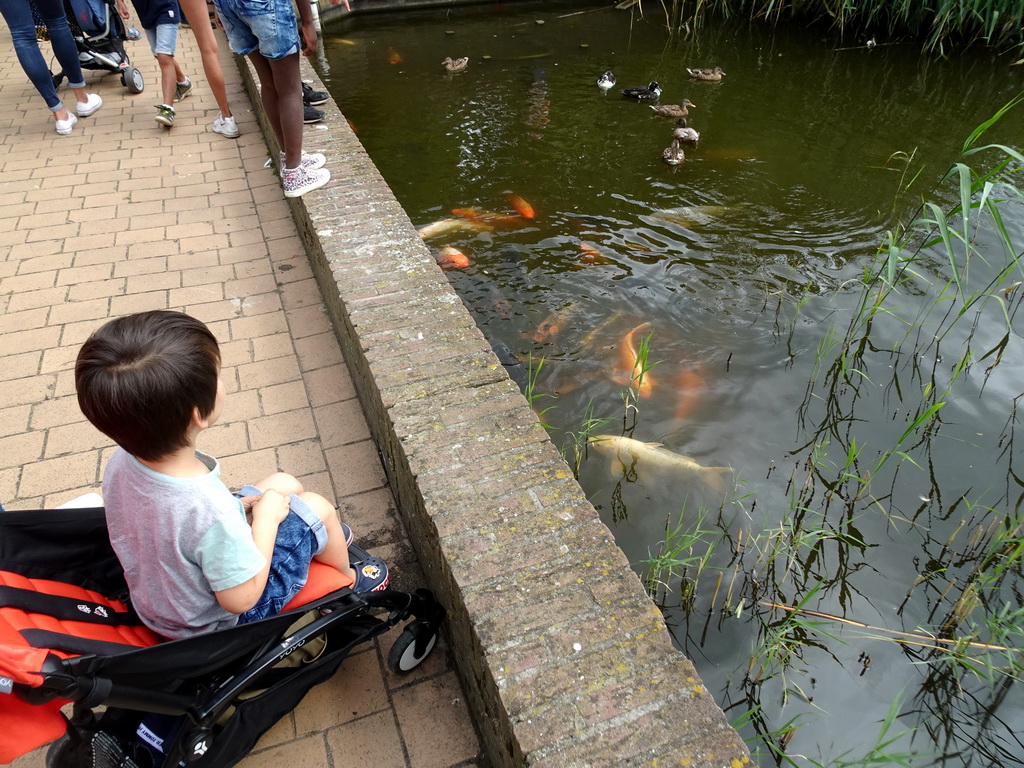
281, 482
268, 94
335, 552
196, 10
168, 77
18, 16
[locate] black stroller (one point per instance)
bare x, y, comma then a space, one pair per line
67, 634
99, 34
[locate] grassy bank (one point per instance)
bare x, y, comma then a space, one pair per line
941, 26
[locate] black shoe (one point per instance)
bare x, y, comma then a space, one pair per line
314, 98
312, 115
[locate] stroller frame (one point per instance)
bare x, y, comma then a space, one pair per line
224, 689
99, 35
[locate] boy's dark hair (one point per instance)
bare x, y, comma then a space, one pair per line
140, 377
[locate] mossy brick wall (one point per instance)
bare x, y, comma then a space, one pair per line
564, 659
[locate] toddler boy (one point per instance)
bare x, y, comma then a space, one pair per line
196, 557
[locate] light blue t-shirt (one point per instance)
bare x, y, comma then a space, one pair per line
179, 540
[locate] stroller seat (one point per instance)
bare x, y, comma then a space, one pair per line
68, 634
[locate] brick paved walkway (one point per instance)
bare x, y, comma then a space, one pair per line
123, 216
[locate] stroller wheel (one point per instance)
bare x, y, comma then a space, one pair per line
60, 754
132, 79
404, 656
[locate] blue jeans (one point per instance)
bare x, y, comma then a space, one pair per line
299, 537
267, 26
18, 15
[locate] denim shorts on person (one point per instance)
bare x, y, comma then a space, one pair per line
299, 537
163, 39
268, 26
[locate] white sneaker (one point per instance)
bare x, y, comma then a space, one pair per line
312, 161
299, 181
90, 105
225, 126
64, 126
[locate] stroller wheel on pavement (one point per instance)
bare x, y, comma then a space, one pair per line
132, 79
404, 656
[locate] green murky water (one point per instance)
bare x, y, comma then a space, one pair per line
740, 259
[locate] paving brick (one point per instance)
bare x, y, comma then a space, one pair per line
55, 475
374, 738
281, 428
356, 691
362, 455
20, 449
29, 390
307, 752
281, 397
20, 366
435, 722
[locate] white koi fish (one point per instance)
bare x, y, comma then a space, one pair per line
647, 457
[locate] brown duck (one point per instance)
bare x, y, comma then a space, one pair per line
673, 110
458, 65
707, 75
673, 155
684, 133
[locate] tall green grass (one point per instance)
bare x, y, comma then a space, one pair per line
940, 26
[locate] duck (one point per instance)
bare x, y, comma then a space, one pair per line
673, 155
707, 75
673, 110
458, 65
606, 81
684, 133
651, 92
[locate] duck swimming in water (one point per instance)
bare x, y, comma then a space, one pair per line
606, 81
458, 65
684, 133
673, 110
651, 92
673, 155
707, 75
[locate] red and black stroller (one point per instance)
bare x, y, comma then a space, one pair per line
68, 634
100, 35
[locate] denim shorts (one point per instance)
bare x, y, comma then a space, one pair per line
163, 39
299, 537
268, 26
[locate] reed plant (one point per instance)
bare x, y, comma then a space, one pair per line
681, 559
939, 26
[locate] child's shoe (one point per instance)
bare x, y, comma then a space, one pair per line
225, 126
133, 34
299, 181
371, 575
165, 114
90, 105
311, 162
181, 90
349, 536
64, 126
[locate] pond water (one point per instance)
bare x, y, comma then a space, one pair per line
744, 260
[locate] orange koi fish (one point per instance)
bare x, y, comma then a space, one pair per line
590, 254
628, 366
394, 57
452, 257
523, 207
689, 384
553, 324
489, 218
